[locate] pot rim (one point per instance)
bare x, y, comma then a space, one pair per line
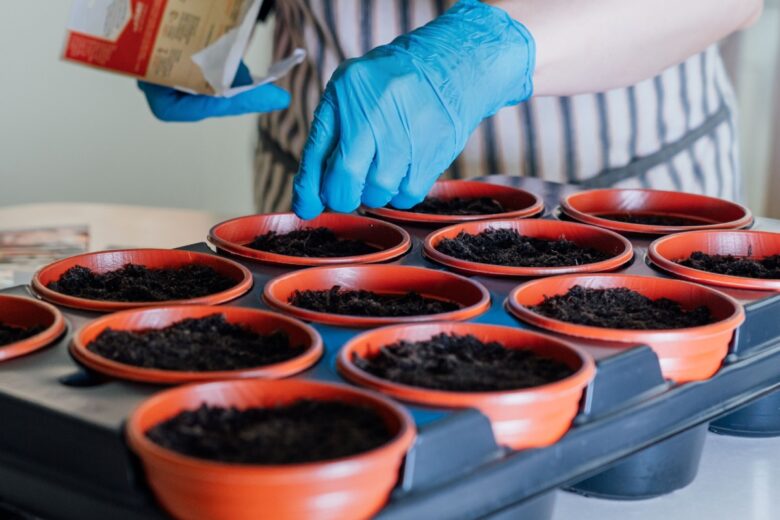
429, 396
409, 217
242, 286
707, 277
569, 209
142, 445
351, 321
38, 341
478, 268
308, 358
630, 336
274, 258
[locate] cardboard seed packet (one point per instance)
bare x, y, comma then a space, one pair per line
192, 45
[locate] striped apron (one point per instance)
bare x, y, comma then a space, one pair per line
676, 131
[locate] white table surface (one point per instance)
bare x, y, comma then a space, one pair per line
739, 478
116, 224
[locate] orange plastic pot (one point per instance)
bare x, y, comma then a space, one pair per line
104, 261
713, 213
518, 203
582, 235
667, 251
472, 297
234, 235
19, 311
687, 354
261, 322
526, 418
195, 489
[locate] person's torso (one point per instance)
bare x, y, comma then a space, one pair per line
595, 139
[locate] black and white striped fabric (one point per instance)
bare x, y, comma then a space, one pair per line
676, 131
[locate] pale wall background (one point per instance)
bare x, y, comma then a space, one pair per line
756, 78
68, 133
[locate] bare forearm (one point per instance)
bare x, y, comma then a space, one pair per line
596, 45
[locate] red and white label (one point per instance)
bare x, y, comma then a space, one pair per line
114, 34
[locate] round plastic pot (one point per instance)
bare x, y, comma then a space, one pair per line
472, 297
760, 418
686, 354
353, 487
713, 213
261, 322
105, 261
658, 470
19, 311
234, 235
665, 252
580, 234
525, 418
518, 203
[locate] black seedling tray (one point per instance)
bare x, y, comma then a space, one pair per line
62, 453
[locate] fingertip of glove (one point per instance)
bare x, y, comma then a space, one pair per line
375, 197
339, 196
150, 89
404, 201
306, 212
307, 209
341, 206
272, 97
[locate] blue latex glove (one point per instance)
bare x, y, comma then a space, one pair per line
390, 122
169, 104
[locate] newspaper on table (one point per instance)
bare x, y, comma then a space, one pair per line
24, 251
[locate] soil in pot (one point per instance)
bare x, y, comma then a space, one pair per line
137, 283
508, 247
304, 431
652, 219
620, 308
195, 345
745, 266
318, 242
459, 206
462, 363
368, 303
10, 334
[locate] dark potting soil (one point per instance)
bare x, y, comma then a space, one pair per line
460, 363
368, 303
649, 219
620, 308
459, 206
11, 334
768, 267
304, 431
508, 247
195, 344
137, 283
311, 242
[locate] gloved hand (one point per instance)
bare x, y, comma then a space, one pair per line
390, 122
168, 104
